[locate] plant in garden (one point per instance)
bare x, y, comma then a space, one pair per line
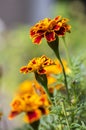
55, 99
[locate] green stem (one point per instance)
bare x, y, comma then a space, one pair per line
48, 94
65, 114
60, 126
65, 78
55, 47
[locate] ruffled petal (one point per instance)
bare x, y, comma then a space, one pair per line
32, 33
33, 116
24, 69
61, 32
13, 114
50, 36
42, 71
37, 39
40, 32
57, 26
57, 18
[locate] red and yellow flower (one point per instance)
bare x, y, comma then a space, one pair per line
33, 104
49, 29
57, 68
37, 65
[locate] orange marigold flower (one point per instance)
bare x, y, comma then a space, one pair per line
26, 87
57, 68
33, 103
49, 28
53, 84
37, 65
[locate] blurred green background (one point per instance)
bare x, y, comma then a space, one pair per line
16, 49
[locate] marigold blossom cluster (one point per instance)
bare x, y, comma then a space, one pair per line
24, 101
31, 98
37, 65
49, 29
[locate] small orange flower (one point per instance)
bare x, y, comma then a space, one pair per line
49, 28
57, 68
37, 65
34, 104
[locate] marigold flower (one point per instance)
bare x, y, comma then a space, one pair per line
37, 65
49, 29
18, 106
57, 68
26, 87
32, 103
53, 84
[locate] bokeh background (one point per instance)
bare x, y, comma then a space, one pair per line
16, 47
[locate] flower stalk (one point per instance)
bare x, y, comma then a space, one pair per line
55, 47
65, 114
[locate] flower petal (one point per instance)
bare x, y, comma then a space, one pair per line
32, 33
50, 36
33, 116
40, 32
57, 18
42, 71
13, 114
37, 39
57, 26
24, 69
61, 32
